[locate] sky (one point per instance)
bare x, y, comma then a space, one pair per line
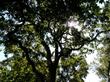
2, 57
92, 77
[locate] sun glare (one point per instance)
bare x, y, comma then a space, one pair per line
74, 24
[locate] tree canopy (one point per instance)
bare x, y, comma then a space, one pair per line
103, 67
43, 45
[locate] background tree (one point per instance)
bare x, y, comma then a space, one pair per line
103, 69
37, 34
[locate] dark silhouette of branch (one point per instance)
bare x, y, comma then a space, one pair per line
85, 41
47, 50
98, 35
91, 40
108, 71
39, 75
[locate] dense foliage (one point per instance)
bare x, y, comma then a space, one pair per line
103, 66
37, 34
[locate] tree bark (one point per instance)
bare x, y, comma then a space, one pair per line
109, 71
52, 72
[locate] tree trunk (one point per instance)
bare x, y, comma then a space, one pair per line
109, 71
108, 79
52, 73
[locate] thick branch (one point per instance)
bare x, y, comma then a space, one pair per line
45, 45
108, 71
39, 75
83, 43
98, 35
88, 41
78, 48
48, 52
56, 52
